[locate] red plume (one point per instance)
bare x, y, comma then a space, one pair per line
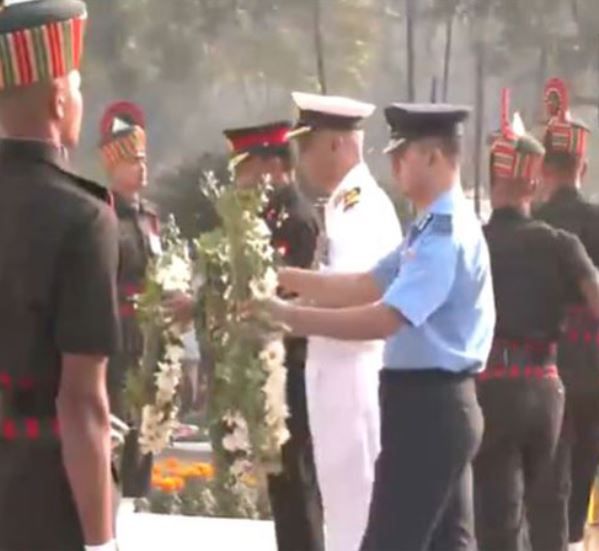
557, 100
506, 127
121, 109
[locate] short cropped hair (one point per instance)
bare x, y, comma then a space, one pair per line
561, 161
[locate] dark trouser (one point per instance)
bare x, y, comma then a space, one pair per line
431, 428
583, 435
294, 495
115, 384
563, 498
132, 348
523, 418
136, 469
36, 505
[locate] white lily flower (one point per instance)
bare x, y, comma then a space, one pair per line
240, 468
273, 354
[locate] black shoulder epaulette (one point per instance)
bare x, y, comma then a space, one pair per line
95, 189
442, 223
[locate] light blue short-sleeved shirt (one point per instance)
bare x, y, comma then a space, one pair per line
439, 279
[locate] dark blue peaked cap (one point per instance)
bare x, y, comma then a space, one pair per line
414, 121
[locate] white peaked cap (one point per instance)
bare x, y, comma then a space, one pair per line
333, 105
8, 3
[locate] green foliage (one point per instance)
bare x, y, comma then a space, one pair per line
233, 42
158, 333
200, 65
234, 260
568, 30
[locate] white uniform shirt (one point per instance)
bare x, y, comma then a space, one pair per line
359, 235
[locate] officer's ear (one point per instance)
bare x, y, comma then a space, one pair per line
434, 155
58, 99
396, 161
430, 150
530, 188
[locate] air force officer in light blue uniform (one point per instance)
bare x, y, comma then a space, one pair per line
432, 300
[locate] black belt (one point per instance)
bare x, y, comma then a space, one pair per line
522, 352
432, 374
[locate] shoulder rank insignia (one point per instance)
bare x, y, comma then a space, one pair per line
348, 199
417, 229
422, 224
441, 223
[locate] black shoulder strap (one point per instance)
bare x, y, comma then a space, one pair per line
97, 190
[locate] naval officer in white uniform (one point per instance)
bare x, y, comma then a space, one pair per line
360, 227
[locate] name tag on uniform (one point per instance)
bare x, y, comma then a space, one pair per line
155, 244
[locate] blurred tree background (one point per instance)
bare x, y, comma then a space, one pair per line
198, 66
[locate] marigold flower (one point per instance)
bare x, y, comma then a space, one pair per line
178, 483
157, 481
166, 485
172, 463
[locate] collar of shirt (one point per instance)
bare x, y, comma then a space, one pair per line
358, 176
124, 207
35, 150
446, 203
507, 214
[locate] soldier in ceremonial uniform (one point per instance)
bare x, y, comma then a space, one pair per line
359, 227
259, 153
123, 152
58, 261
432, 300
534, 268
564, 167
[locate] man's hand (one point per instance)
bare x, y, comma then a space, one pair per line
180, 308
330, 290
370, 322
275, 309
265, 315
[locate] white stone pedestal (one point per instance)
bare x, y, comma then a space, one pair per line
145, 532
